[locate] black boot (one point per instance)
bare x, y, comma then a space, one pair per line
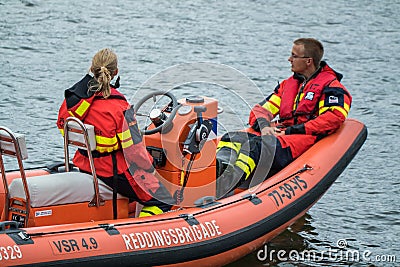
225, 157
229, 180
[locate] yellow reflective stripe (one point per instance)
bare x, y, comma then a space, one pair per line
273, 104
247, 160
126, 144
340, 109
126, 138
62, 131
232, 145
124, 135
149, 211
106, 144
244, 167
296, 100
144, 214
182, 179
347, 107
322, 103
103, 149
70, 113
271, 107
322, 110
245, 163
344, 110
82, 108
275, 99
106, 141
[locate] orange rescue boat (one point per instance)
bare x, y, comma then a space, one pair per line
58, 216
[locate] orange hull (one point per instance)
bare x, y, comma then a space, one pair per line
212, 235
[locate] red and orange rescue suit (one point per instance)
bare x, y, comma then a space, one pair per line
308, 110
120, 153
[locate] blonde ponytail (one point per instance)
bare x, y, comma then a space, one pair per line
104, 67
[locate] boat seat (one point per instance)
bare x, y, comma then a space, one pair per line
63, 198
60, 189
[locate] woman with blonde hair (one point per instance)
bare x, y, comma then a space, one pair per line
120, 157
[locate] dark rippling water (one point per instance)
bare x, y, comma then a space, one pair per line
46, 46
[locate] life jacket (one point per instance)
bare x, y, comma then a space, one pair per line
113, 135
301, 105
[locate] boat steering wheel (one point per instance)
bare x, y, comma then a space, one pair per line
158, 116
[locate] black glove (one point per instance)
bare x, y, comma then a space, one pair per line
295, 129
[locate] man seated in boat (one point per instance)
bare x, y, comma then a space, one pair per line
120, 158
310, 104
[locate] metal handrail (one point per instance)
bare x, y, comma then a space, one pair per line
12, 139
96, 201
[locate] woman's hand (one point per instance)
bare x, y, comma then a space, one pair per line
272, 131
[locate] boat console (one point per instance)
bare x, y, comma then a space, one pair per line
182, 139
